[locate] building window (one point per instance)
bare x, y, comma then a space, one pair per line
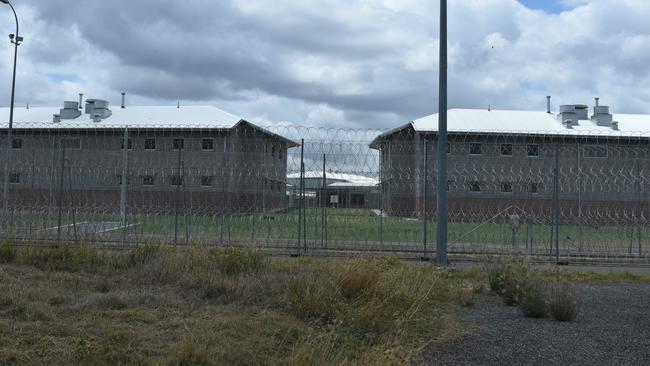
206, 181
475, 148
450, 183
207, 144
273, 151
148, 180
72, 144
150, 144
448, 147
357, 199
280, 154
593, 151
475, 186
534, 188
17, 144
532, 151
129, 143
506, 187
119, 179
14, 178
176, 180
506, 149
178, 144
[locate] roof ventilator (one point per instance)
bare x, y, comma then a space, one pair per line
602, 117
97, 109
615, 125
70, 110
570, 115
56, 118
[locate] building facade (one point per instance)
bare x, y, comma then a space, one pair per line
593, 169
195, 158
335, 190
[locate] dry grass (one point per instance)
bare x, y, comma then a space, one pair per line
206, 306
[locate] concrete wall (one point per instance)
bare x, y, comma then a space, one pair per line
620, 178
247, 169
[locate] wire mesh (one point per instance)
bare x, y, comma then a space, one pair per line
304, 190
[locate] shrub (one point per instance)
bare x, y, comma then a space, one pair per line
7, 253
314, 295
533, 300
495, 275
508, 279
236, 261
359, 278
140, 255
564, 305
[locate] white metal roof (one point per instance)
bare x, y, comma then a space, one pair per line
526, 123
338, 179
134, 117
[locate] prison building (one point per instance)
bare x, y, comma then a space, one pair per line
334, 189
143, 159
501, 161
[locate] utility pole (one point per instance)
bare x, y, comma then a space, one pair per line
441, 196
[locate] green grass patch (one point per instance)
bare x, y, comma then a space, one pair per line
206, 306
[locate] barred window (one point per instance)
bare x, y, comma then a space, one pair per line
206, 181
176, 180
506, 187
533, 150
207, 144
475, 186
148, 180
73, 144
129, 143
506, 149
14, 178
178, 144
534, 188
475, 148
150, 144
594, 151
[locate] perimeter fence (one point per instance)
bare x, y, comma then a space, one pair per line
579, 195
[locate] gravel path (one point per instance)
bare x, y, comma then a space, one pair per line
613, 328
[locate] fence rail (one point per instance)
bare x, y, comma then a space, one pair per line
301, 189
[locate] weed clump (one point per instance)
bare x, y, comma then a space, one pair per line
534, 299
519, 284
564, 305
7, 252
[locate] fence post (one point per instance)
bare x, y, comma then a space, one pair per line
639, 205
304, 204
425, 183
580, 241
441, 196
556, 203
178, 191
300, 194
323, 204
381, 196
124, 185
58, 225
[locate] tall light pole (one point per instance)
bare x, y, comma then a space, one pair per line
16, 39
441, 197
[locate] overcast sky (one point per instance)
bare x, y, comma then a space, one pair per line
335, 63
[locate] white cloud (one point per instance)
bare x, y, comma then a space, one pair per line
369, 63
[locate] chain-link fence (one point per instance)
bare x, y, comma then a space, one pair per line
300, 190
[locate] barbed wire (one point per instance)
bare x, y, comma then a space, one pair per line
279, 185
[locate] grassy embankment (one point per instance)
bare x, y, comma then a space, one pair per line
201, 306
342, 224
